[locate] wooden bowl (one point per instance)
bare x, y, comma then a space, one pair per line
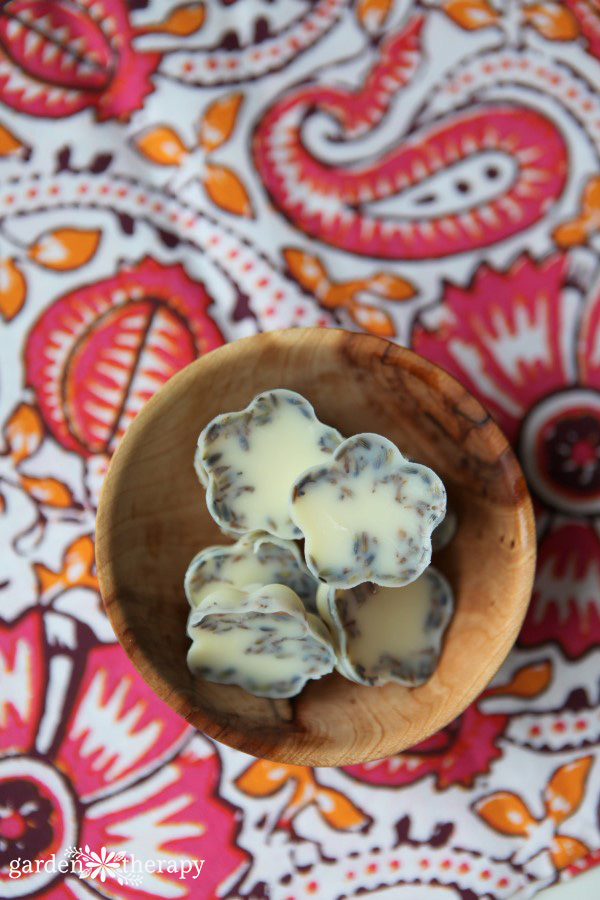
153, 519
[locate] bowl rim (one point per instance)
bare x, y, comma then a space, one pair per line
464, 404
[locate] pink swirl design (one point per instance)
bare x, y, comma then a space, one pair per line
331, 203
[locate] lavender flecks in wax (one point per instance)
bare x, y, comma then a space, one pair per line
249, 459
367, 514
261, 639
388, 634
256, 558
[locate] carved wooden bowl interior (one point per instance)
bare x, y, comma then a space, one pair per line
153, 519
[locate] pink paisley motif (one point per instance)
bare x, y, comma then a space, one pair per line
455, 755
519, 342
327, 202
57, 58
587, 13
98, 354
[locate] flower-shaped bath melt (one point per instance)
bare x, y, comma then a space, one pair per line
445, 531
249, 460
367, 514
261, 639
388, 634
256, 558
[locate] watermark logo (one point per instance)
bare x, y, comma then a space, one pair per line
103, 864
107, 864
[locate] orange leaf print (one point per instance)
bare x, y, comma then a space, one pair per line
77, 570
338, 811
577, 231
227, 191
162, 146
391, 287
471, 14
48, 491
65, 249
23, 432
308, 270
528, 681
372, 319
9, 144
219, 121
183, 21
553, 21
565, 789
505, 812
566, 850
372, 13
591, 197
13, 289
311, 274
264, 777
571, 234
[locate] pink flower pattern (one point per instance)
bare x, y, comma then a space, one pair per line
113, 776
523, 341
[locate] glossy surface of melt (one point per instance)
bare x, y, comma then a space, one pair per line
250, 459
260, 639
367, 514
388, 634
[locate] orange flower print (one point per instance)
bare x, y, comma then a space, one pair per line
28, 503
264, 778
24, 434
311, 274
70, 596
586, 224
549, 18
507, 813
162, 146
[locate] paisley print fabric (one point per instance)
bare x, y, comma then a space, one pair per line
176, 175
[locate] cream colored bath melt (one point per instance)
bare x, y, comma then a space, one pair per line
267, 616
261, 639
388, 634
367, 514
256, 558
249, 460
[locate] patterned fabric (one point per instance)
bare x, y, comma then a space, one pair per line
177, 175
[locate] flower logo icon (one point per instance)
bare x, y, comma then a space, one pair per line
103, 864
94, 865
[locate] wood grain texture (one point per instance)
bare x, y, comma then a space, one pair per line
153, 519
